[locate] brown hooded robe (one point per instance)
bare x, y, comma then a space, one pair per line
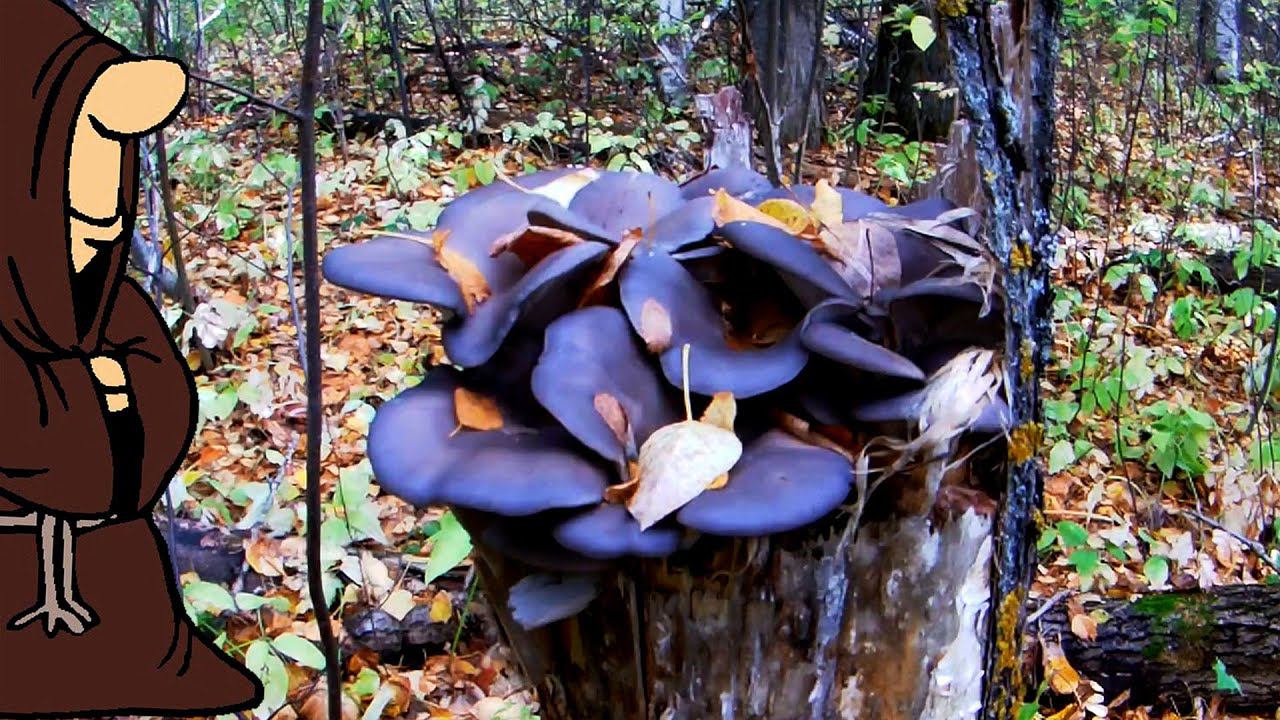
61, 452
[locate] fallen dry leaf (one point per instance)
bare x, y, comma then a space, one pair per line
1062, 678
677, 463
441, 607
828, 204
655, 326
613, 414
789, 212
563, 188
471, 282
533, 243
722, 411
730, 209
476, 411
612, 264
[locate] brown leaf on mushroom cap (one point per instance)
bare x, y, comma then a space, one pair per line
533, 242
612, 264
677, 463
721, 412
655, 326
865, 254
622, 493
476, 411
472, 283
730, 209
613, 414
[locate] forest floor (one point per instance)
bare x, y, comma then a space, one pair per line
1190, 503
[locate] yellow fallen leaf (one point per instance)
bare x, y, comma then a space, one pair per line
398, 603
720, 481
475, 411
789, 212
722, 411
1062, 678
441, 607
730, 209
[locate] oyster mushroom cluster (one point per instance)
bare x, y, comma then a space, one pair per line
636, 364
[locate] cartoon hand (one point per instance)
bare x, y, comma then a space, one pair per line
127, 100
110, 374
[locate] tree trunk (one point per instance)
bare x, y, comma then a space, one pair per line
898, 72
1163, 647
784, 37
1218, 39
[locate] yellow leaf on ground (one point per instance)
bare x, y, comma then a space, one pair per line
677, 463
441, 607
1062, 678
475, 411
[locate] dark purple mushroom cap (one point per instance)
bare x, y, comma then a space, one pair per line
779, 484
528, 540
811, 277
394, 267
475, 339
714, 365
622, 201
542, 598
609, 531
419, 454
855, 205
992, 418
688, 225
592, 351
739, 181
834, 330
944, 311
473, 198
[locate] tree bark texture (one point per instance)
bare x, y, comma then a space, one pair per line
784, 36
1003, 57
1163, 647
813, 624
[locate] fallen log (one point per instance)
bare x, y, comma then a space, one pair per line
1164, 647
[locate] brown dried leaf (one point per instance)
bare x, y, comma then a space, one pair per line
563, 188
655, 326
614, 416
474, 287
865, 254
721, 412
720, 481
730, 209
1062, 678
612, 264
677, 463
533, 243
622, 493
476, 411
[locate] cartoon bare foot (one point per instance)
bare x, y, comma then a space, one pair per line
58, 605
53, 614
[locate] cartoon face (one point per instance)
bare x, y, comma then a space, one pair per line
127, 100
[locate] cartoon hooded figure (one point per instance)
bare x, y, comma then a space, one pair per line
99, 405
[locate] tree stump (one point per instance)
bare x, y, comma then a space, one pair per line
809, 624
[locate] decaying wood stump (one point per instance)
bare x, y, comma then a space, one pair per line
808, 624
